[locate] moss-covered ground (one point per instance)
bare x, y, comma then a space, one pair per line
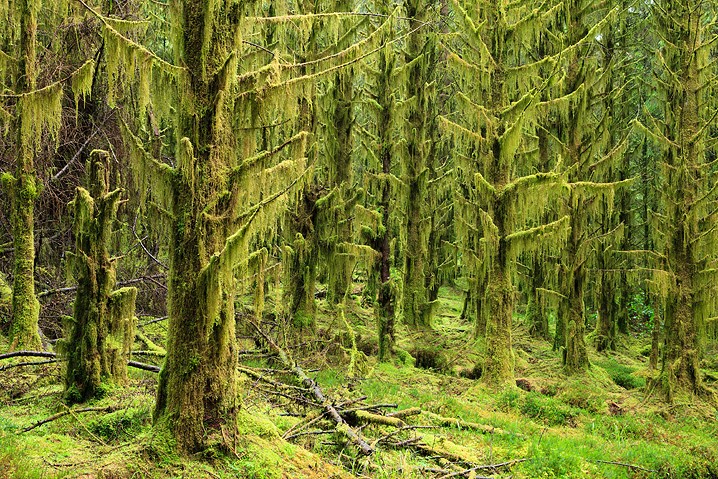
606, 423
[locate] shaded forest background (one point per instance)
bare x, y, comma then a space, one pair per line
506, 194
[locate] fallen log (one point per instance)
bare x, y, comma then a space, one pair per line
341, 425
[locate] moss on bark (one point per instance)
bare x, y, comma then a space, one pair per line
101, 330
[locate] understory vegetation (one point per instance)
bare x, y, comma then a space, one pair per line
604, 424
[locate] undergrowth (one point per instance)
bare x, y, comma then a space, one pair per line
605, 423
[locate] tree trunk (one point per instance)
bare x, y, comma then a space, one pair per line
24, 331
196, 395
498, 366
102, 330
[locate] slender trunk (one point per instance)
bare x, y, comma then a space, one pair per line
536, 316
417, 164
24, 331
575, 355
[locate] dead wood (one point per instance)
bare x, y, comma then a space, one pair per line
484, 467
623, 464
341, 425
29, 363
69, 411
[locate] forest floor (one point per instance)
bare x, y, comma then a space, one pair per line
605, 423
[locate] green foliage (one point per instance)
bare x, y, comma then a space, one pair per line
121, 425
622, 375
548, 410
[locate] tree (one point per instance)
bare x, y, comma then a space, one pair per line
28, 111
217, 193
102, 328
499, 92
685, 223
418, 164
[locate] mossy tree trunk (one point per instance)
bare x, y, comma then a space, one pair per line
384, 93
418, 160
102, 329
24, 190
495, 204
218, 195
585, 138
300, 257
196, 396
336, 216
685, 232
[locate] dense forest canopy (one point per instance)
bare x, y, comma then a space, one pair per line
249, 175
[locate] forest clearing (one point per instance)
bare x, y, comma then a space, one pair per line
359, 238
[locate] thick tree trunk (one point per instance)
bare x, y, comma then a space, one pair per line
196, 395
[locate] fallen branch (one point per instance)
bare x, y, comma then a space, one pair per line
29, 363
460, 424
398, 431
412, 411
308, 433
341, 425
152, 321
47, 354
365, 416
69, 411
145, 367
28, 354
623, 464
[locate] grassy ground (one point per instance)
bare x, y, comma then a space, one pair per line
603, 424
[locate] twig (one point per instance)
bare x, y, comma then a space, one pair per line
152, 321
623, 464
308, 433
490, 467
300, 426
